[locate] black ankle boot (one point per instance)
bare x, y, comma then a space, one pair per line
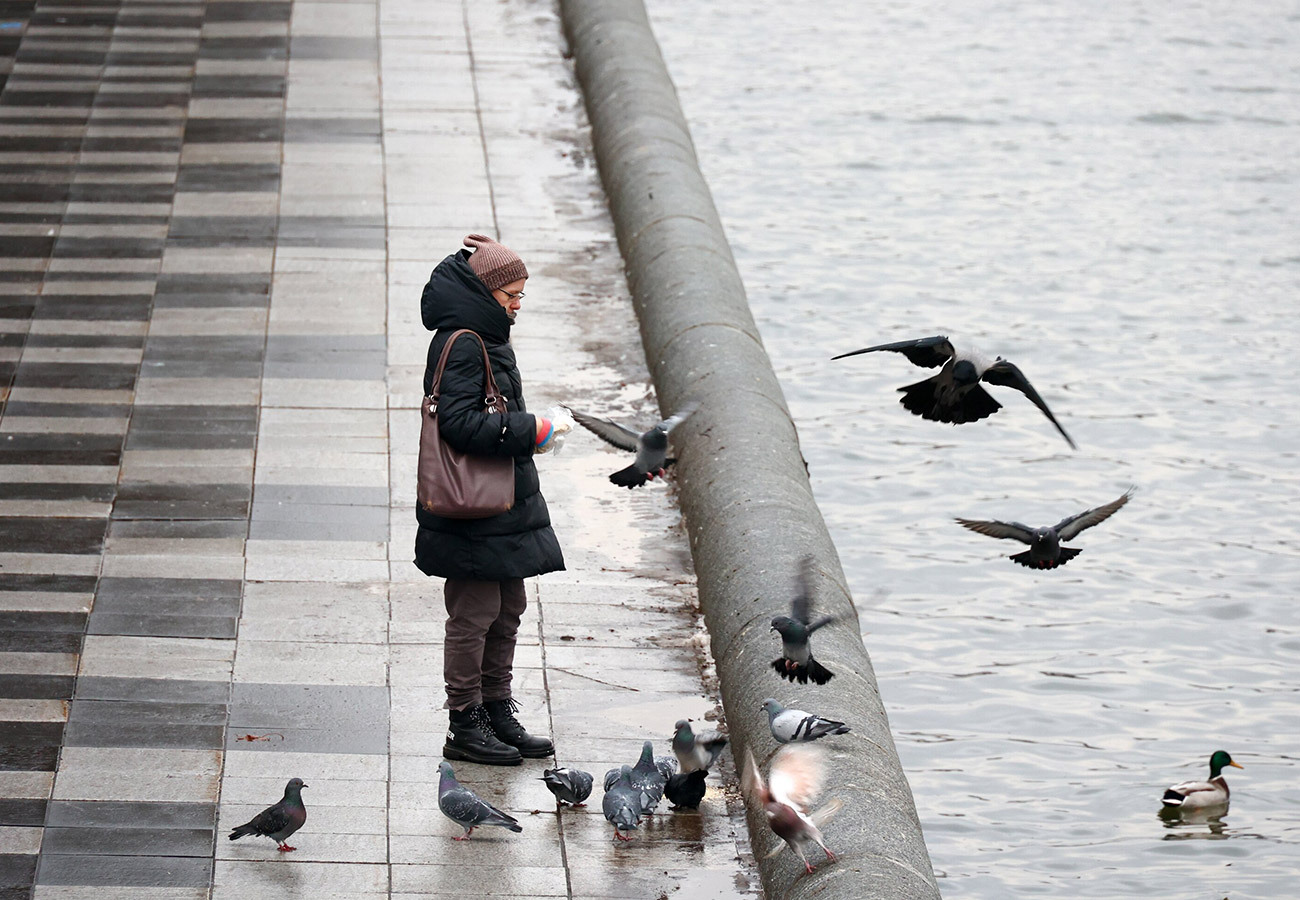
501, 713
470, 737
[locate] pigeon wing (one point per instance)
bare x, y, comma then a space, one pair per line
609, 431
1070, 526
751, 780
924, 352
996, 529
796, 776
271, 820
1007, 375
464, 807
801, 606
680, 416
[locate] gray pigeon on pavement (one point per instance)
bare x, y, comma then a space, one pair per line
622, 803
666, 765
955, 395
796, 662
571, 786
686, 790
1045, 550
466, 808
647, 778
651, 447
794, 726
279, 821
696, 751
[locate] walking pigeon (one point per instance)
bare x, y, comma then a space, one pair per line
794, 726
651, 448
571, 786
696, 751
794, 781
647, 778
796, 662
279, 821
955, 395
1045, 550
622, 803
686, 789
466, 808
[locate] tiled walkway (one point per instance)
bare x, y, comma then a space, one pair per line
215, 221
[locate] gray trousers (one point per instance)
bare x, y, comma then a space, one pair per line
479, 652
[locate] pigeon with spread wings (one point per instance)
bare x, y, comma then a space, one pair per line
650, 447
1045, 550
796, 662
955, 395
794, 781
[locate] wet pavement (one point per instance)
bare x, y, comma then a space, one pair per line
215, 221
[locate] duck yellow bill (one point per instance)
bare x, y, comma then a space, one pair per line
1236, 765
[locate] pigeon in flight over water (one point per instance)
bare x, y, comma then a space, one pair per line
571, 786
1045, 550
651, 448
955, 395
466, 808
793, 726
794, 780
696, 751
796, 662
278, 822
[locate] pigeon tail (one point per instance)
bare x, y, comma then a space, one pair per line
793, 671
631, 477
1067, 554
922, 399
243, 831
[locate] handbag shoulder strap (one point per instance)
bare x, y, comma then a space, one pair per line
491, 384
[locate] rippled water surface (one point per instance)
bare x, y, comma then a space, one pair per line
1107, 195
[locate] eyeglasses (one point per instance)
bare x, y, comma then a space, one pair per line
512, 296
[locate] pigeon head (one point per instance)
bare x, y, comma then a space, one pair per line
682, 726
295, 785
964, 372
444, 772
1044, 537
656, 438
784, 625
771, 707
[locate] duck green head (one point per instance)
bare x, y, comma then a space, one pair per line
1219, 761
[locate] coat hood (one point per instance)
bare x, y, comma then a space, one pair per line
456, 298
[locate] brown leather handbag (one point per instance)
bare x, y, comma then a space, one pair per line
459, 485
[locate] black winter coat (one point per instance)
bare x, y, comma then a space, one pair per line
518, 543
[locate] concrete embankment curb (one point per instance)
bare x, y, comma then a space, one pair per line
745, 493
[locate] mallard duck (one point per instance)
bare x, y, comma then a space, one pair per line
1199, 794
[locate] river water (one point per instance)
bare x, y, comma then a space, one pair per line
1109, 196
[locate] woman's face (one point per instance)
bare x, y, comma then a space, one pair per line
510, 296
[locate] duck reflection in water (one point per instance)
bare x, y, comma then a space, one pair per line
1184, 824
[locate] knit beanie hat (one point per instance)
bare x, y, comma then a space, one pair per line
495, 264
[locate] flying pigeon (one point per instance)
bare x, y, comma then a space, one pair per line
571, 786
279, 821
796, 662
794, 781
694, 751
1045, 550
686, 790
622, 803
954, 395
651, 448
466, 808
647, 778
794, 726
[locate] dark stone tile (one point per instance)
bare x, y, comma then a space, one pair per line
196, 440
145, 604
128, 841
146, 58
313, 46
22, 813
131, 814
187, 501
30, 490
130, 734
26, 246
37, 687
114, 247
358, 130
104, 376
17, 307
158, 690
176, 588
216, 11
54, 622
74, 584
145, 625
31, 734
118, 307
145, 713
17, 870
239, 86
126, 871
48, 98
132, 145
231, 419
194, 178
125, 192
224, 131
97, 341
31, 534
143, 99
223, 230
34, 193
185, 348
